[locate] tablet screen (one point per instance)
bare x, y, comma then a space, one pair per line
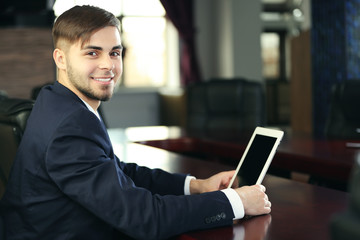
255, 159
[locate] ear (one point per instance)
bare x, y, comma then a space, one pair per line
59, 58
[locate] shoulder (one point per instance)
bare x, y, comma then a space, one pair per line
58, 109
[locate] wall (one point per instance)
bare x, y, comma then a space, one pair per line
130, 108
25, 60
228, 38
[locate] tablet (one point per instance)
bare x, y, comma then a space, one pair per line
257, 157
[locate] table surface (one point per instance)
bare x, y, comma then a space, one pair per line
329, 159
299, 210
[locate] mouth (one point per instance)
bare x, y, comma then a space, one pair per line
103, 79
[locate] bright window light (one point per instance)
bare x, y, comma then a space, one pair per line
112, 6
143, 8
270, 43
144, 60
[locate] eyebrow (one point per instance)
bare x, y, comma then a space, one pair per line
120, 47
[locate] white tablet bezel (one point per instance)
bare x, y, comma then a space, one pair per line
278, 134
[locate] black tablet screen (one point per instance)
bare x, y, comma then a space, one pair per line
255, 159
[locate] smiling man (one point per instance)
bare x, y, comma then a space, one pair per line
90, 67
66, 182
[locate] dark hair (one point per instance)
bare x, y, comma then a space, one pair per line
80, 22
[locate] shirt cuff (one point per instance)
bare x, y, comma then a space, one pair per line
236, 203
187, 184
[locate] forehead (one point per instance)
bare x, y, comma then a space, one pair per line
104, 37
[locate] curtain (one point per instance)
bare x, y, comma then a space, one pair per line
180, 13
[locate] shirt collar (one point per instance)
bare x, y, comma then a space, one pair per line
91, 109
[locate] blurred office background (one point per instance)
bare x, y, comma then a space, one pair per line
296, 49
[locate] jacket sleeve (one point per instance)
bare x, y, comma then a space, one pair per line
155, 180
81, 163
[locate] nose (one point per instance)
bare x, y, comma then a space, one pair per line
106, 63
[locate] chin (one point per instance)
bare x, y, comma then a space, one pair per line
105, 97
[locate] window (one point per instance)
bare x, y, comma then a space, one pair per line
270, 55
150, 40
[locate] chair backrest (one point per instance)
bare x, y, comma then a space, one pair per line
2, 228
225, 104
344, 116
345, 224
13, 117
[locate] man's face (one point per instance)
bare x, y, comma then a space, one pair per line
94, 68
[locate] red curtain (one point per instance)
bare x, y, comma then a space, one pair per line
180, 12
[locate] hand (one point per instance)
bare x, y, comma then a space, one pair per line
254, 199
214, 183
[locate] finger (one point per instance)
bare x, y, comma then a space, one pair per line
267, 210
262, 187
266, 197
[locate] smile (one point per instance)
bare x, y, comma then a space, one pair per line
103, 79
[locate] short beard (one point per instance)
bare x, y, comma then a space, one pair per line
90, 94
83, 89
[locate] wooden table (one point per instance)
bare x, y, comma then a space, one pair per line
331, 161
299, 210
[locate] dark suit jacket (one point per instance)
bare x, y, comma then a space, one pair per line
66, 183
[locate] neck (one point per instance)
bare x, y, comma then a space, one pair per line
94, 104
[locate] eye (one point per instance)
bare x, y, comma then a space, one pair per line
91, 53
115, 54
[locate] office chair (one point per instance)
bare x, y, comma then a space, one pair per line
343, 121
13, 117
225, 104
345, 225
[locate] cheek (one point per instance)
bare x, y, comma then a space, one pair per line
88, 68
79, 67
119, 67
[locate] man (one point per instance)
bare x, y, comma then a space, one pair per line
66, 182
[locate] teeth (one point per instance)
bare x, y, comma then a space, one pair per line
102, 79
